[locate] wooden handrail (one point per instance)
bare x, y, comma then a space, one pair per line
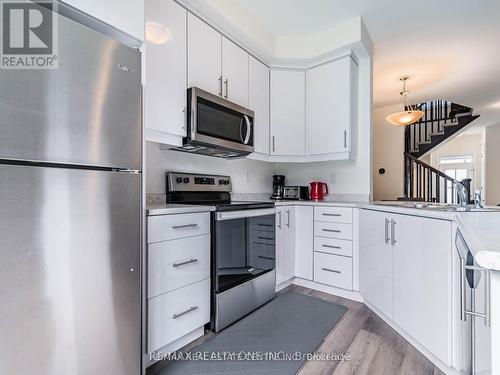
431, 168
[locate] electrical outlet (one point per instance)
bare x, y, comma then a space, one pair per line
332, 178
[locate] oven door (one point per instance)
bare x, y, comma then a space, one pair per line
244, 246
217, 122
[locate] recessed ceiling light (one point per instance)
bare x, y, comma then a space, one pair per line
156, 33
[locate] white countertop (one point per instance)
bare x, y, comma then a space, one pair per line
170, 209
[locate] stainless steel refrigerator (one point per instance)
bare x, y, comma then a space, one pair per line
70, 210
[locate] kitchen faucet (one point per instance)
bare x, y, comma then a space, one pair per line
477, 199
463, 200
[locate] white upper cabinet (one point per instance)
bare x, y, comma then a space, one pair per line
126, 16
288, 130
165, 89
258, 101
332, 108
234, 73
204, 56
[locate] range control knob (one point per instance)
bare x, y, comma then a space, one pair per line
186, 180
178, 180
226, 182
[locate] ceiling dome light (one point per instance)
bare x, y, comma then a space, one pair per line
409, 115
156, 34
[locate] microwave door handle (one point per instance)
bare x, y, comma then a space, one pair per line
249, 129
241, 134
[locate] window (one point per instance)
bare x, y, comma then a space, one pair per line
456, 159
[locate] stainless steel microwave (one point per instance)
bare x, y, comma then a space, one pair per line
217, 127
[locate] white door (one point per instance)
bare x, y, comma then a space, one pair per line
329, 107
127, 16
375, 260
165, 91
258, 101
422, 281
204, 56
304, 241
234, 73
288, 113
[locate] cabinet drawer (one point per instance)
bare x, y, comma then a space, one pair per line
171, 227
333, 246
333, 270
333, 230
333, 214
175, 314
177, 263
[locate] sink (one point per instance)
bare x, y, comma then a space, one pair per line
441, 207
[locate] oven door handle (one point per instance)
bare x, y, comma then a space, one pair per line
241, 214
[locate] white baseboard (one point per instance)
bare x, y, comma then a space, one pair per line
344, 293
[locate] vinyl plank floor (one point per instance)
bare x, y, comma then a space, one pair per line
373, 347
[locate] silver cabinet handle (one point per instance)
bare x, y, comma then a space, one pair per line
288, 218
279, 219
330, 270
345, 138
263, 257
331, 230
192, 308
487, 293
393, 232
274, 145
184, 263
226, 83
332, 247
220, 85
187, 226
387, 238
336, 215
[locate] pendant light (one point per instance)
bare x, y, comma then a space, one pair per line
409, 115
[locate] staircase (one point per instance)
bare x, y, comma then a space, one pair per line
442, 120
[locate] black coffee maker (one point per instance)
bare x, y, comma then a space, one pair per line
278, 186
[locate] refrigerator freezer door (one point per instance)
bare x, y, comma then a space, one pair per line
69, 271
87, 111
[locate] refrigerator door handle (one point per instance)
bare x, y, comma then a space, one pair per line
127, 170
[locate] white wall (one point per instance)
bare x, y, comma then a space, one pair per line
248, 176
388, 153
492, 168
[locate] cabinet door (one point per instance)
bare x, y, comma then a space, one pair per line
280, 246
165, 91
289, 253
375, 261
288, 113
204, 56
422, 281
304, 242
258, 101
235, 73
127, 16
330, 106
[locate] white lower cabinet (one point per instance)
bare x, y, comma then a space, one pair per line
304, 242
285, 243
175, 314
333, 270
405, 272
178, 282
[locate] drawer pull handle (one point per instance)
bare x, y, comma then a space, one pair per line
330, 270
266, 258
332, 247
332, 230
183, 263
337, 215
187, 226
265, 238
192, 308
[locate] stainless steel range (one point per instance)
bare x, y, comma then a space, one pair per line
243, 245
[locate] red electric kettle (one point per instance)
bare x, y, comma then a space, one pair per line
318, 190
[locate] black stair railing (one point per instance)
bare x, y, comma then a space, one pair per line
428, 184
